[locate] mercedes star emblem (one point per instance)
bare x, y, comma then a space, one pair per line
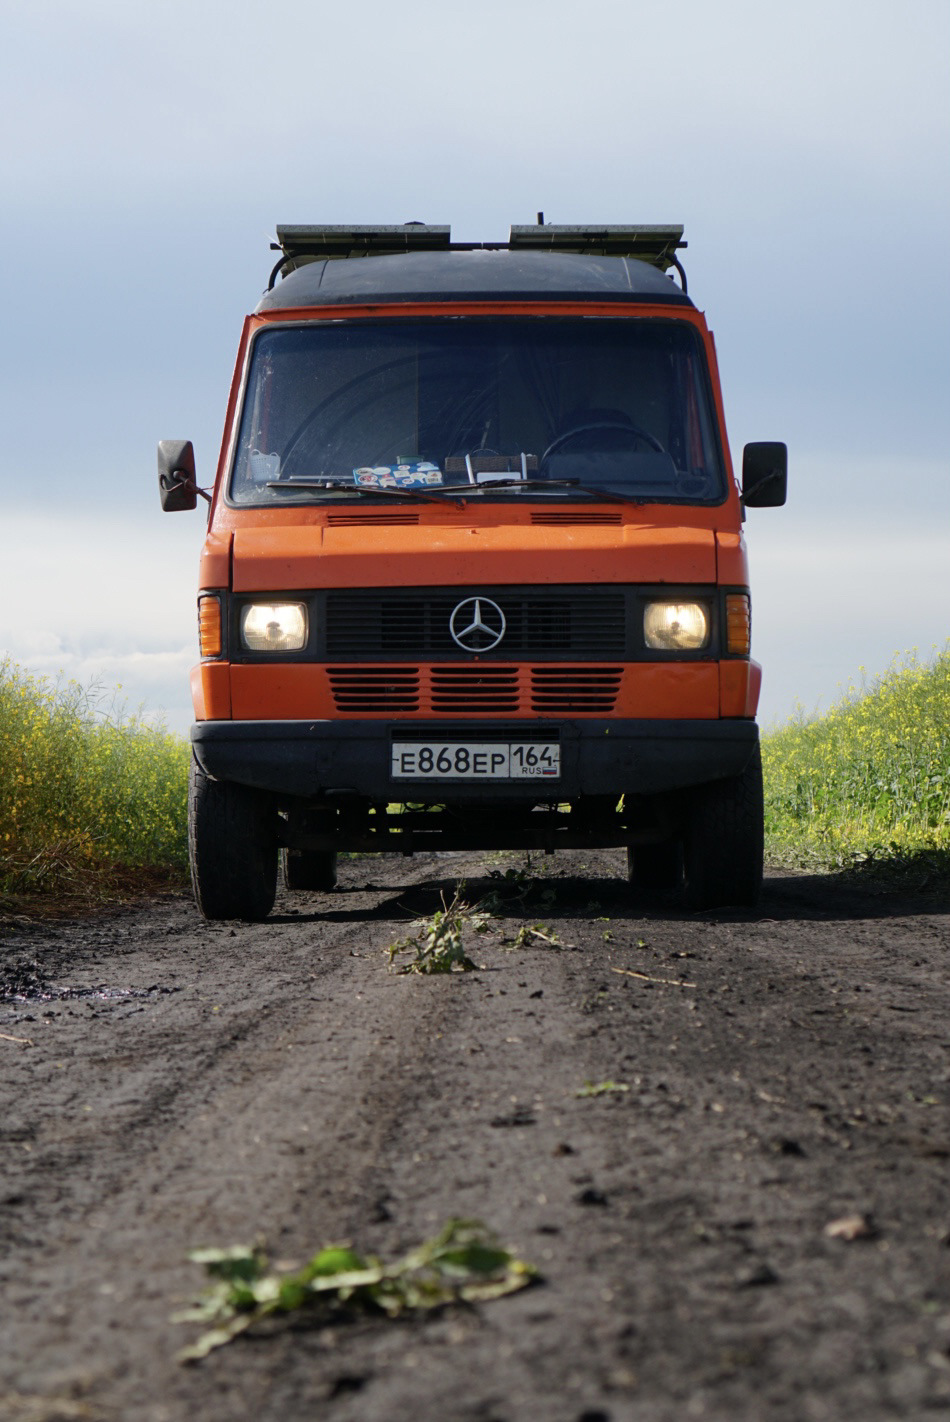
477, 624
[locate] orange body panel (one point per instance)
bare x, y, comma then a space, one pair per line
640, 691
214, 569
211, 691
272, 559
740, 682
733, 561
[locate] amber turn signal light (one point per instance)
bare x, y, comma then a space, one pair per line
738, 624
209, 626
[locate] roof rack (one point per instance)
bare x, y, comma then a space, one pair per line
330, 241
656, 245
300, 244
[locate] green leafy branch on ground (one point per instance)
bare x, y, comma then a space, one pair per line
437, 945
463, 1263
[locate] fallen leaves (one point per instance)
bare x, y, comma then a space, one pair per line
462, 1263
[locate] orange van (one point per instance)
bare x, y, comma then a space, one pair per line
474, 575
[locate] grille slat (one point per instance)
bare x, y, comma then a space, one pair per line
463, 689
385, 689
563, 693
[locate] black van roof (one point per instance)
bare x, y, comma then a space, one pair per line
419, 263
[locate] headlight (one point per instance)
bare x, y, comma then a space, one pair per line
274, 626
675, 626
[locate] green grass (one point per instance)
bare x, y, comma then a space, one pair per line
91, 800
869, 782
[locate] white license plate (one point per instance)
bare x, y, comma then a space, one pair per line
476, 760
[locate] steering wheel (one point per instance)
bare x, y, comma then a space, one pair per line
624, 425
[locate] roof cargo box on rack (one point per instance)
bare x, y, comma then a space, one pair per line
613, 263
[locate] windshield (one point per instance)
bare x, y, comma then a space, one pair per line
463, 405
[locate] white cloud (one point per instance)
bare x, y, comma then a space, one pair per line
834, 604
107, 601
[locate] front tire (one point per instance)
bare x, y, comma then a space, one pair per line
232, 846
723, 841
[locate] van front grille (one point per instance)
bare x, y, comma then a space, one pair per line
540, 622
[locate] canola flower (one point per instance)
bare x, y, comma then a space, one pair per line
871, 778
83, 791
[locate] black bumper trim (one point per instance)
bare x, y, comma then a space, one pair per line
304, 759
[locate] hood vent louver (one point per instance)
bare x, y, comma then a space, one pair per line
386, 517
560, 518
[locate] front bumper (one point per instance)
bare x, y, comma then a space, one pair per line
308, 759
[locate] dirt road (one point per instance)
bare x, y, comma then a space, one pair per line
169, 1083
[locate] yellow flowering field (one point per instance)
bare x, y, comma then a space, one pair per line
88, 798
868, 780
85, 796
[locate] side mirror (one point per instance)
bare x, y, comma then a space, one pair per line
176, 475
764, 475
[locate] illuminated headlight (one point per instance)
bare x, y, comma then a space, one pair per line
675, 626
274, 626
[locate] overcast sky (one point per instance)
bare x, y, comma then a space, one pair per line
150, 152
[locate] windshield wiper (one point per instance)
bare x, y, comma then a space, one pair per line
433, 495
339, 485
609, 494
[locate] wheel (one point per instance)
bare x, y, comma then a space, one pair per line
723, 841
655, 871
309, 869
232, 847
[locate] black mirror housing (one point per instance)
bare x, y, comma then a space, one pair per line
764, 474
176, 475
